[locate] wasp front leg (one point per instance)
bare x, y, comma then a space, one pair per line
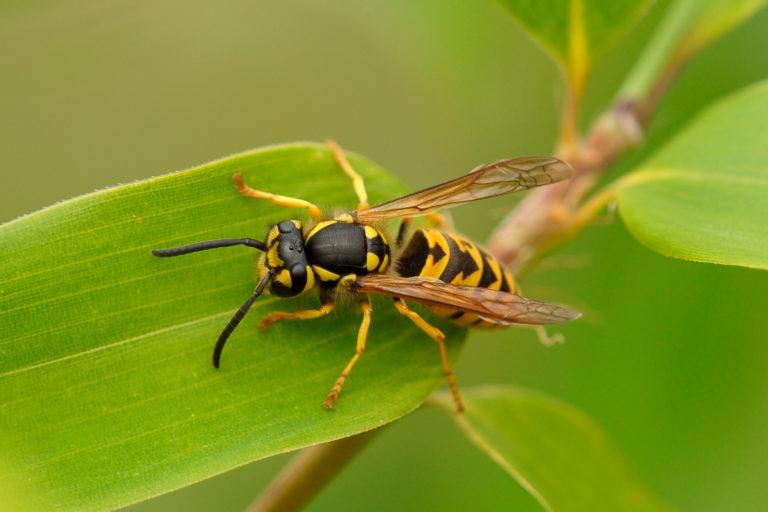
306, 314
362, 337
278, 200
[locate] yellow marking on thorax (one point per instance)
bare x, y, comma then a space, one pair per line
325, 275
370, 232
371, 261
318, 227
345, 217
384, 263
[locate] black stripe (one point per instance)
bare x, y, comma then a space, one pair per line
504, 283
437, 253
487, 278
414, 256
377, 246
458, 262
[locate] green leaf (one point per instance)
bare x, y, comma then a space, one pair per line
107, 392
711, 19
688, 26
553, 450
703, 196
576, 32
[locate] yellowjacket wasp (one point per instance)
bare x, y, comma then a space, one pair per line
449, 274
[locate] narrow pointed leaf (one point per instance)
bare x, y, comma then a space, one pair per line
107, 391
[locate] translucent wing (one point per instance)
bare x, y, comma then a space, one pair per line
486, 181
493, 306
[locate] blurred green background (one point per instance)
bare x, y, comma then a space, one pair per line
671, 357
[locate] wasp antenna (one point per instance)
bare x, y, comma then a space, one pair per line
238, 316
210, 244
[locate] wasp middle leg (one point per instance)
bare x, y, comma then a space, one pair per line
362, 337
437, 335
278, 200
357, 181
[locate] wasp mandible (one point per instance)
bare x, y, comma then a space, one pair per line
351, 253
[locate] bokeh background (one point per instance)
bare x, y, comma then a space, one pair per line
671, 357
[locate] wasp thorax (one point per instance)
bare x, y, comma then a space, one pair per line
285, 255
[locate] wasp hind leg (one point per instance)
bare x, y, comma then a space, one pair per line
306, 314
437, 335
357, 181
434, 220
402, 233
545, 338
278, 200
362, 337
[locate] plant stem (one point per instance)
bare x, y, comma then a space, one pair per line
308, 472
549, 216
546, 216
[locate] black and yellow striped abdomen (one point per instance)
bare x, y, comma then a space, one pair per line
453, 259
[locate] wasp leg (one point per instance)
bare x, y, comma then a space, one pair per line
362, 336
437, 335
435, 220
306, 314
278, 200
357, 181
402, 233
442, 221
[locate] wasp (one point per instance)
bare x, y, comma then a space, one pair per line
351, 253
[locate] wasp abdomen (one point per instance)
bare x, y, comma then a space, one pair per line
453, 259
337, 248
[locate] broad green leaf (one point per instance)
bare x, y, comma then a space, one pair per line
575, 32
688, 26
107, 392
703, 197
554, 451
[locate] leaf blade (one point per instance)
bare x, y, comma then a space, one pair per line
107, 393
687, 28
575, 32
552, 449
702, 196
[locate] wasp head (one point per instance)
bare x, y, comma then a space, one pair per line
286, 258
